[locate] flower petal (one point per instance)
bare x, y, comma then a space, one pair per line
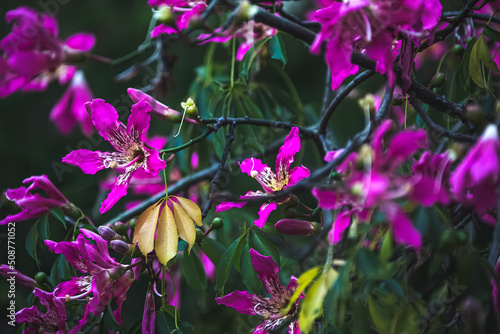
81, 41
90, 162
138, 122
265, 176
339, 226
105, 119
404, 231
286, 155
223, 206
264, 212
241, 301
268, 271
297, 174
119, 190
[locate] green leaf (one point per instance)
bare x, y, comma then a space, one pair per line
213, 249
193, 270
463, 71
164, 322
237, 252
387, 247
59, 215
63, 268
32, 242
224, 267
266, 247
492, 33
485, 55
277, 49
248, 274
43, 228
380, 317
219, 142
110, 321
367, 263
248, 59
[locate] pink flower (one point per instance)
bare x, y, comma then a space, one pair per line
370, 181
476, 179
269, 308
250, 32
132, 154
189, 9
270, 181
369, 26
52, 320
106, 277
32, 53
70, 109
34, 205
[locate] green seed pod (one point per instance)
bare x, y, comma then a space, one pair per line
199, 235
438, 80
41, 277
458, 49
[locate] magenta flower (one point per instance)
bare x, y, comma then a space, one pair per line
476, 179
158, 109
250, 32
373, 183
53, 320
132, 154
106, 277
430, 175
32, 53
20, 278
370, 26
270, 181
70, 109
189, 9
269, 308
34, 205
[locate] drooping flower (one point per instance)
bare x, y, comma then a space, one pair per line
370, 181
132, 154
189, 9
250, 32
105, 279
8, 272
31, 202
270, 181
476, 179
33, 55
53, 320
269, 308
370, 26
158, 109
70, 109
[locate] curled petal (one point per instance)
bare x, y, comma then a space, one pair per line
264, 212
119, 190
241, 301
298, 174
90, 162
267, 271
262, 173
339, 226
223, 206
82, 41
138, 122
404, 231
286, 155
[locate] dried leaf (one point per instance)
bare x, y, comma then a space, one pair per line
145, 228
166, 236
192, 209
185, 225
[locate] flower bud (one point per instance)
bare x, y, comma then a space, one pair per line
124, 248
41, 277
245, 12
121, 229
476, 113
458, 49
107, 233
217, 223
295, 227
13, 274
438, 80
165, 15
199, 235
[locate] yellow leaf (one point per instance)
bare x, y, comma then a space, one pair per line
191, 208
166, 236
185, 225
312, 306
303, 282
145, 228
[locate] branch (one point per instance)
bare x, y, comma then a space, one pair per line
462, 15
475, 16
341, 96
459, 137
215, 180
385, 106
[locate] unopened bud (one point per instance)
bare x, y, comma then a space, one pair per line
476, 114
121, 229
41, 277
124, 248
295, 227
245, 12
217, 223
199, 235
458, 49
107, 233
165, 15
438, 80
